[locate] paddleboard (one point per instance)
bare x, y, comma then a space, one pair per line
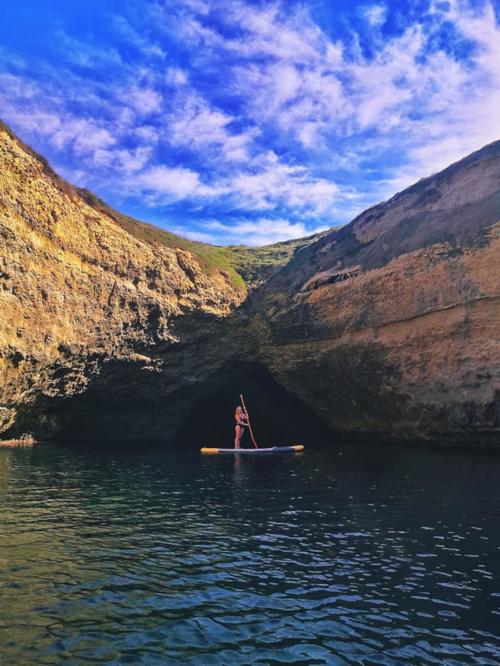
273, 449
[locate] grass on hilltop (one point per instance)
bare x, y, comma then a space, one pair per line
211, 257
247, 267
258, 264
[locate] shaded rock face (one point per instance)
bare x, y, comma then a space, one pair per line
387, 327
127, 403
390, 326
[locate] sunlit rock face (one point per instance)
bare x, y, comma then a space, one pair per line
80, 296
390, 326
385, 328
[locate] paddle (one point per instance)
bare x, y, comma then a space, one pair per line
248, 420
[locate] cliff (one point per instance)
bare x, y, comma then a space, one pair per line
82, 286
390, 326
387, 327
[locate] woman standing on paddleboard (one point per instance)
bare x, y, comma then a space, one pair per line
241, 422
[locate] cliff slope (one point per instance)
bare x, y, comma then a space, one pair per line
391, 325
82, 286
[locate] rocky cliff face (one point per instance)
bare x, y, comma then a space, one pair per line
80, 293
387, 327
390, 326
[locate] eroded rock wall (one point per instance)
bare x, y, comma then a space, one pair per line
78, 292
390, 326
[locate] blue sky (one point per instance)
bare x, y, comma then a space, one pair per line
253, 121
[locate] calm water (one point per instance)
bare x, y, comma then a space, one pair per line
339, 556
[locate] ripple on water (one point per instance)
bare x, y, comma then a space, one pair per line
364, 558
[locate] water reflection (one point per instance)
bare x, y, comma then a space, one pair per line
238, 472
344, 555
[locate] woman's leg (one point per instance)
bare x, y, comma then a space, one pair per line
237, 436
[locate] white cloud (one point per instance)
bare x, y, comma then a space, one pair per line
147, 133
85, 137
196, 235
457, 101
17, 87
262, 231
277, 183
288, 76
142, 99
132, 161
375, 14
324, 92
274, 184
169, 184
175, 76
281, 34
86, 53
197, 125
293, 76
386, 82
143, 44
303, 101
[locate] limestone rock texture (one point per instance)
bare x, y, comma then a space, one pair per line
386, 328
79, 294
390, 326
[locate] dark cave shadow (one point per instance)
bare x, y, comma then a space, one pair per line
277, 417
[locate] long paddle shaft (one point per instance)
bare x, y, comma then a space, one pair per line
248, 420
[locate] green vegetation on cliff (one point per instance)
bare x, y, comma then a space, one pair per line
257, 264
248, 267
211, 257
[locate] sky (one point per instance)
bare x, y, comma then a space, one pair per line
250, 122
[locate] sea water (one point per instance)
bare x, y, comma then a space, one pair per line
342, 555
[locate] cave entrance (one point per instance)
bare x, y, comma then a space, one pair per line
277, 417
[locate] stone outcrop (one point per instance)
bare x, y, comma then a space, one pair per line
387, 327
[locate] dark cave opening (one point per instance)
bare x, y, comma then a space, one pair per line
277, 417
127, 406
